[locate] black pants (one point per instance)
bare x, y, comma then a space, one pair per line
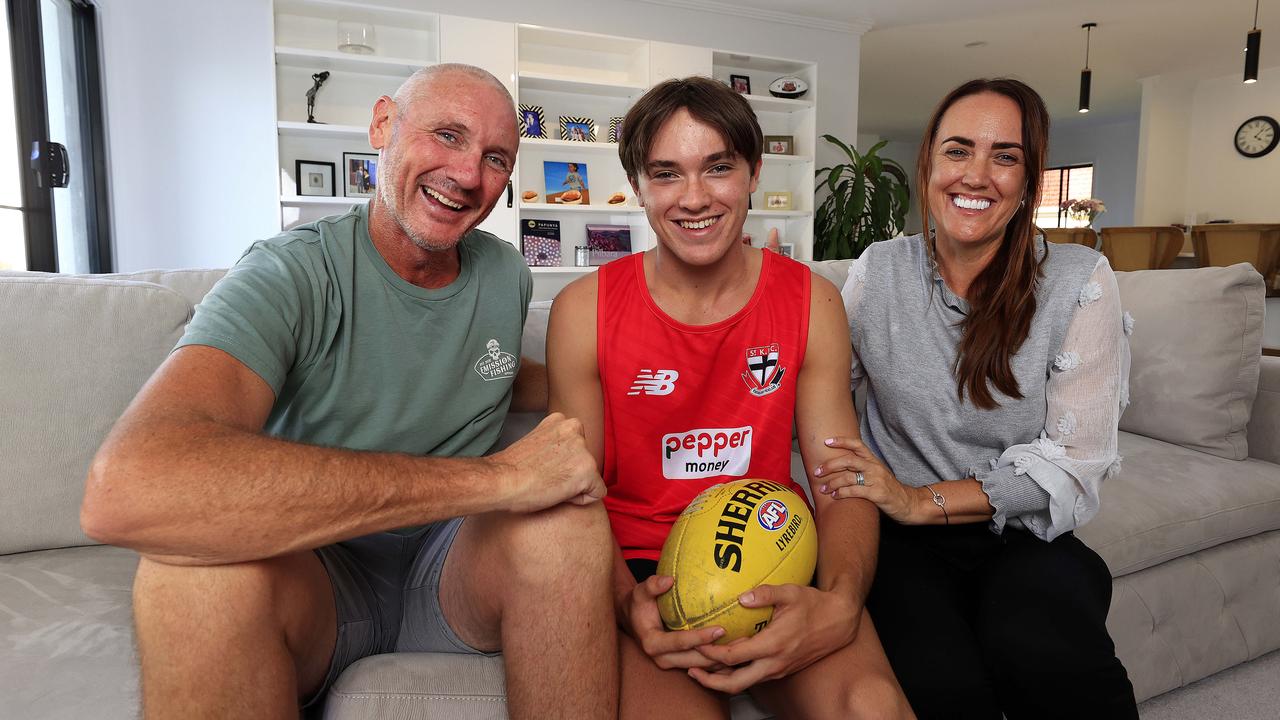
976, 624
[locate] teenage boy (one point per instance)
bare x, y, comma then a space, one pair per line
704, 334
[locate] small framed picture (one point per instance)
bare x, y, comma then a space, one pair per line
777, 201
578, 129
532, 122
787, 249
740, 84
615, 129
780, 144
359, 174
315, 178
566, 182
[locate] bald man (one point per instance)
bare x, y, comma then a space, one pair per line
305, 476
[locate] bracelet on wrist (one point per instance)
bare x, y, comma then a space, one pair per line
941, 501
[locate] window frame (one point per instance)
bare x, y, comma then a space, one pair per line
1064, 179
32, 124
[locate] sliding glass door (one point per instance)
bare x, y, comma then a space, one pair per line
59, 125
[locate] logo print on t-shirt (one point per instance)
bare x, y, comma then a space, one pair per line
654, 382
495, 364
764, 374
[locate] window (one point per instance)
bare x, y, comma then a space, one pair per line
53, 195
1074, 182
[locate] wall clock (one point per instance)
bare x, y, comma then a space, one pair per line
1257, 136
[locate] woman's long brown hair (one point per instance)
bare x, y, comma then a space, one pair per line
1002, 298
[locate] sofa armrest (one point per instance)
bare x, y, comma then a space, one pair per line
1264, 424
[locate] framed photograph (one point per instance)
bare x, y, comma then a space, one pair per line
614, 238
780, 144
615, 129
533, 123
359, 174
740, 84
777, 201
567, 182
787, 249
578, 129
315, 178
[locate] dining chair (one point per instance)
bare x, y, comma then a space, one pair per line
1258, 244
1074, 236
1146, 247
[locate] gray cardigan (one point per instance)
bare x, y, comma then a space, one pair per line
1040, 459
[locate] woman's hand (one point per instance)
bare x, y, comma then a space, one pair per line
840, 479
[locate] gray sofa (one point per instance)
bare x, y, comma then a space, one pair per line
1190, 528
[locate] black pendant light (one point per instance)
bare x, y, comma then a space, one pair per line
1251, 47
1086, 75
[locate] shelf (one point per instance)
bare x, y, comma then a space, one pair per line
778, 213
333, 60
768, 103
786, 159
318, 200
336, 10
759, 63
563, 270
571, 144
566, 84
601, 208
322, 130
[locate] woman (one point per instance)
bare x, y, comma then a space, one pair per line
996, 369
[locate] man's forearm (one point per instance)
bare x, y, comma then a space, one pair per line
203, 493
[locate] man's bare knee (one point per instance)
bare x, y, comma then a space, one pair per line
563, 540
263, 601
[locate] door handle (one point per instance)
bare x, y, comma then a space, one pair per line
510, 193
49, 161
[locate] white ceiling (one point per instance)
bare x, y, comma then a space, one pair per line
915, 51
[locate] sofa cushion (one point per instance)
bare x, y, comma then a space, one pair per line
1196, 342
1169, 501
191, 284
436, 685
1264, 421
73, 353
66, 635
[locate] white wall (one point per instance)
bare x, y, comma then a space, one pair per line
1188, 169
1222, 183
1112, 149
190, 105
1163, 133
191, 140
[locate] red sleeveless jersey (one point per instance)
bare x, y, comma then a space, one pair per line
690, 406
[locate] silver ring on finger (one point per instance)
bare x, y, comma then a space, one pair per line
859, 478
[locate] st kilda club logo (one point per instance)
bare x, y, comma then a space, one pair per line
763, 374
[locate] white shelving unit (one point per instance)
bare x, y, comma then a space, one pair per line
566, 73
570, 73
576, 74
306, 39
792, 173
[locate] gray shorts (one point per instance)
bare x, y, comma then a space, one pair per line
386, 588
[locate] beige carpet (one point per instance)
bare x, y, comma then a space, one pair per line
1250, 691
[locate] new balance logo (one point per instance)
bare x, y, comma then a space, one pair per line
654, 382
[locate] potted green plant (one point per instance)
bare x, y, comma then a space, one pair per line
866, 200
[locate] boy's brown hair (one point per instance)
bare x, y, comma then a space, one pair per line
707, 100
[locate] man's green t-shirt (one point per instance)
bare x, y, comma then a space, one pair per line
358, 357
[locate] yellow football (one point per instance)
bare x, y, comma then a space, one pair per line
731, 538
